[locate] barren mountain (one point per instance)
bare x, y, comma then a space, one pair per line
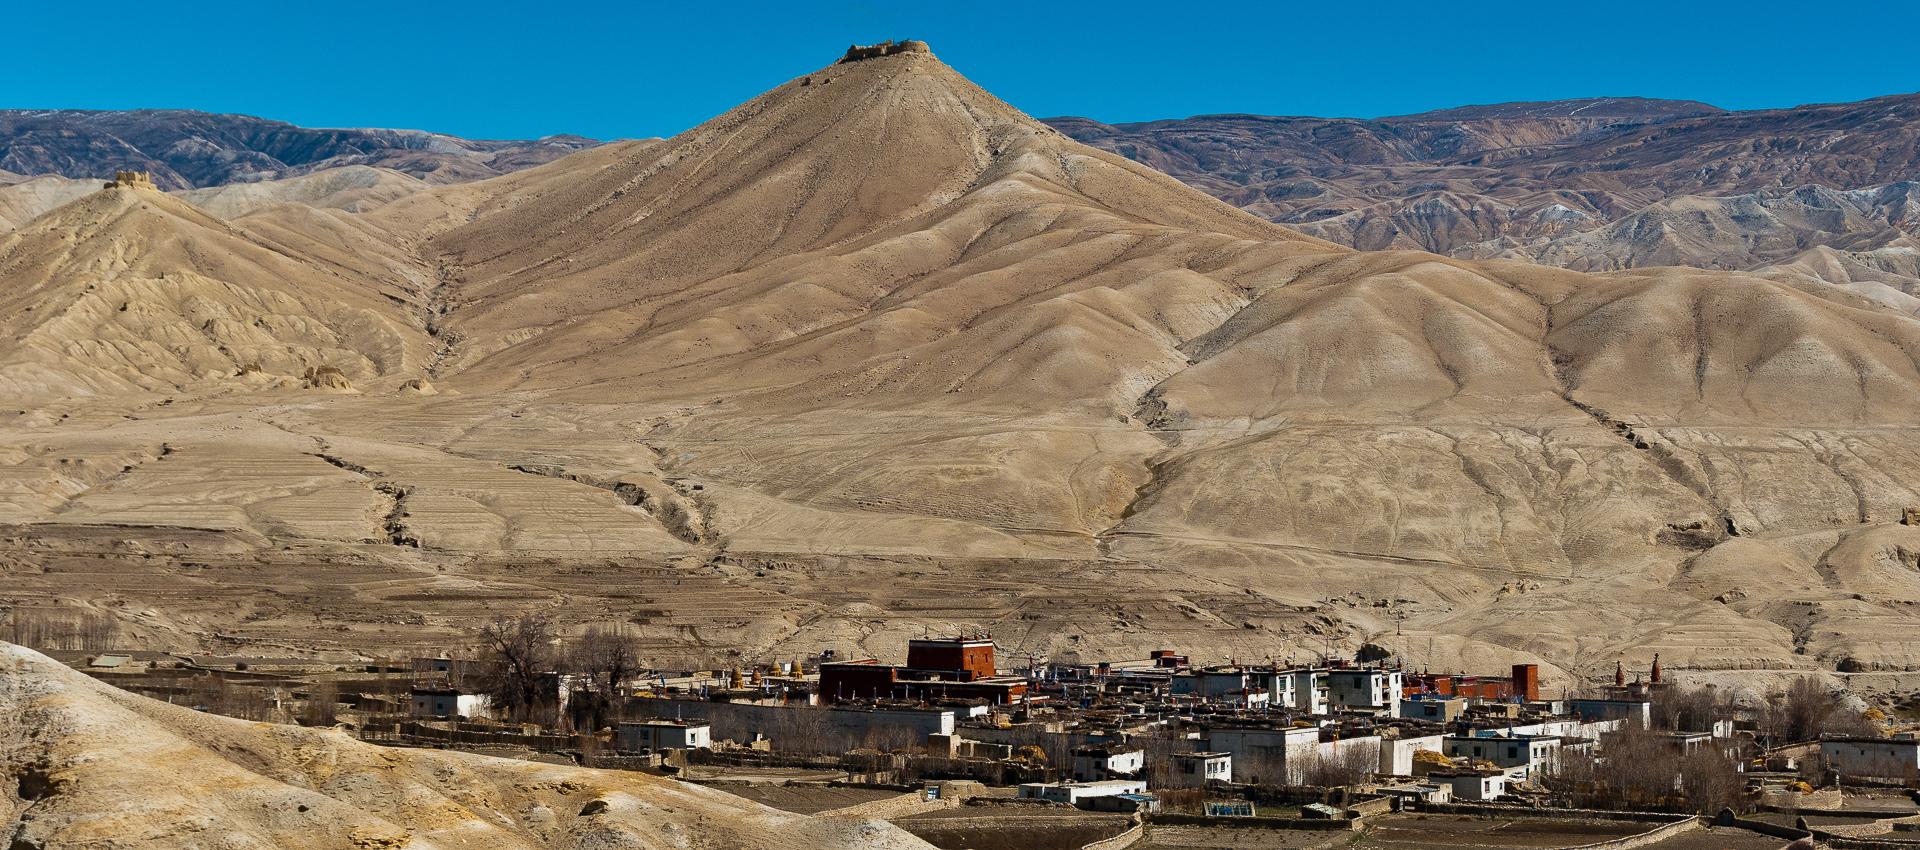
186, 149
874, 352
131, 289
1561, 182
23, 198
354, 188
93, 766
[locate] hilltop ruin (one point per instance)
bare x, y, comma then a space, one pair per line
889, 47
133, 180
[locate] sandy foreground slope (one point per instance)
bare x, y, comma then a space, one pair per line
875, 353
92, 766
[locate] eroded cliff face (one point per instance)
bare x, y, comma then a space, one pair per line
1592, 184
90, 766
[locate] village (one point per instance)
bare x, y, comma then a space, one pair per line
964, 750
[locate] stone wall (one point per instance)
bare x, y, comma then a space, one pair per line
888, 808
1494, 810
1652, 836
1317, 824
1125, 839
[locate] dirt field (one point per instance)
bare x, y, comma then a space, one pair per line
1013, 828
1719, 839
1407, 832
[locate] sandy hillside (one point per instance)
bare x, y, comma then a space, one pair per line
129, 289
874, 352
92, 766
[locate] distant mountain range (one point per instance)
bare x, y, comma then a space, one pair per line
186, 149
1590, 184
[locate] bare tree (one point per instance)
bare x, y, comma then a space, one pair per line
1161, 772
893, 738
1711, 781
1345, 765
1805, 711
62, 629
1055, 748
1689, 709
522, 651
323, 705
806, 730
1640, 769
608, 655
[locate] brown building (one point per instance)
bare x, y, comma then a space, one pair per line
937, 668
973, 655
1523, 685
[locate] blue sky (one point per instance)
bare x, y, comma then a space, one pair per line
610, 70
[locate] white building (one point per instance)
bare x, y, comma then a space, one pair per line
1897, 757
1092, 764
1396, 754
1471, 785
1308, 688
1365, 689
1636, 712
475, 705
1264, 750
1436, 709
1232, 685
1521, 756
1073, 793
1194, 770
663, 735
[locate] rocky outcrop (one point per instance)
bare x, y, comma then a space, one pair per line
326, 378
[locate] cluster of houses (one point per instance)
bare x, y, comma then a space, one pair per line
1108, 735
1111, 734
